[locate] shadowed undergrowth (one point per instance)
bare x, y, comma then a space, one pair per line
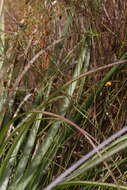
63, 92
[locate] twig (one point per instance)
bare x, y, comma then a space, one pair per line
95, 71
82, 131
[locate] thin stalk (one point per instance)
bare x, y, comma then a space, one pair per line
90, 184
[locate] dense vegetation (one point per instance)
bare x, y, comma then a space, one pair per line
63, 81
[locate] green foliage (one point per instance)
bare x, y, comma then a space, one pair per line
62, 96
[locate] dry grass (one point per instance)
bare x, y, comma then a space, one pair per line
33, 25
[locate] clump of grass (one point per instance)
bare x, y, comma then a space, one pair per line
65, 93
